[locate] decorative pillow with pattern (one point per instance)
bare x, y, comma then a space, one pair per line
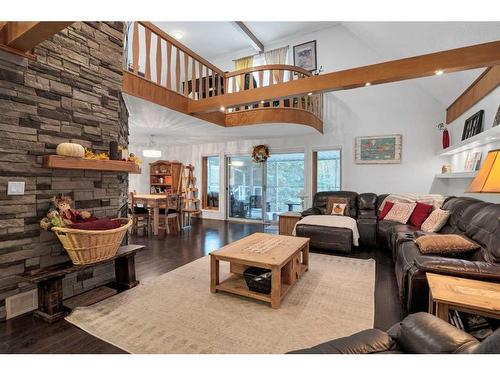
436, 220
445, 244
338, 209
332, 201
400, 212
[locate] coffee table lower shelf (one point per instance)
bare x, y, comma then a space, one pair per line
236, 284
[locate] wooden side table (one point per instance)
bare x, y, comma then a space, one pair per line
470, 296
287, 221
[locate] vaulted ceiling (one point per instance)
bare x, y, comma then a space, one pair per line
385, 40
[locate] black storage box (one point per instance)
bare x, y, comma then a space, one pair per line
258, 279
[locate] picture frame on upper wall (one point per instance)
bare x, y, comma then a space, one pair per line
496, 120
305, 56
380, 149
473, 125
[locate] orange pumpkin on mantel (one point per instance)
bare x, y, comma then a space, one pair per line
70, 149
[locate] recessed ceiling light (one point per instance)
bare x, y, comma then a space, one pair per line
310, 94
368, 84
178, 35
439, 72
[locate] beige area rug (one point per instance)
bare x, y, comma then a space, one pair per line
176, 313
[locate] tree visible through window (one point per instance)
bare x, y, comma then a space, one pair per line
285, 182
326, 170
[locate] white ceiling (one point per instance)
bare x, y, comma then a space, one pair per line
396, 40
146, 119
209, 39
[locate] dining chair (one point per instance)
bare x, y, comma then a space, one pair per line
171, 213
141, 217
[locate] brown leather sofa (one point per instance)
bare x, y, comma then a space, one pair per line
473, 218
470, 217
420, 333
362, 208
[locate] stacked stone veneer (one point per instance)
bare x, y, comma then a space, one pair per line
71, 91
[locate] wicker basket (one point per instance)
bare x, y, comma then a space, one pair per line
92, 246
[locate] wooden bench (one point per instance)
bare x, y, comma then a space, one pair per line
49, 281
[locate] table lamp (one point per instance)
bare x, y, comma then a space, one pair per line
487, 179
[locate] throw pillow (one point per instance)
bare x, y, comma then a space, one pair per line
385, 210
445, 244
420, 213
400, 212
336, 200
436, 220
338, 209
99, 224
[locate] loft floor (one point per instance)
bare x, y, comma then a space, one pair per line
29, 335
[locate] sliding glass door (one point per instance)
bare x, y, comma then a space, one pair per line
261, 191
245, 188
285, 183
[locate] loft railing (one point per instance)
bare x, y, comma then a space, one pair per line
268, 75
156, 56
152, 54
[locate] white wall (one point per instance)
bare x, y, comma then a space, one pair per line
396, 108
490, 105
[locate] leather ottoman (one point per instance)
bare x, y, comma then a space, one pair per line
326, 238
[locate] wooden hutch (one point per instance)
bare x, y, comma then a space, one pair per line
164, 175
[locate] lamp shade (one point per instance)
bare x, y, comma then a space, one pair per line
487, 179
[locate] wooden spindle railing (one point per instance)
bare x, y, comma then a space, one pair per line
268, 75
159, 58
171, 64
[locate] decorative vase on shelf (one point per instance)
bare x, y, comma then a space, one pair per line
446, 135
446, 138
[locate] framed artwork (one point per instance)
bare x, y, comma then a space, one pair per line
380, 149
473, 125
304, 55
496, 121
472, 161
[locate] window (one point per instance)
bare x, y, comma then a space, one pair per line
285, 184
326, 170
210, 181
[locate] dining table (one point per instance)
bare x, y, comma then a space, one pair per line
153, 201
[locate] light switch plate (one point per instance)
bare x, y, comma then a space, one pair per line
15, 188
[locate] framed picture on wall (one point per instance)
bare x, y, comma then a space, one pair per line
380, 149
473, 125
472, 161
304, 56
496, 121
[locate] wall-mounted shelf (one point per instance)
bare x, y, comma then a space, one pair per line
457, 175
65, 162
488, 136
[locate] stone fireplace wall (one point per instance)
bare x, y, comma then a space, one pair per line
71, 91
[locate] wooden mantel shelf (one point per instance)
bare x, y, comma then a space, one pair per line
65, 162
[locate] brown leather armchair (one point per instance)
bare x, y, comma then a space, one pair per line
420, 333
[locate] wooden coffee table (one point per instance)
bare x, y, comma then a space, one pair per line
456, 293
287, 257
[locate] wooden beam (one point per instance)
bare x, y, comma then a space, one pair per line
472, 57
252, 39
24, 36
488, 81
153, 92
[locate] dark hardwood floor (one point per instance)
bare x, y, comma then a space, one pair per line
26, 334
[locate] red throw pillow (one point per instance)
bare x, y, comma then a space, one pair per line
420, 213
385, 210
99, 224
